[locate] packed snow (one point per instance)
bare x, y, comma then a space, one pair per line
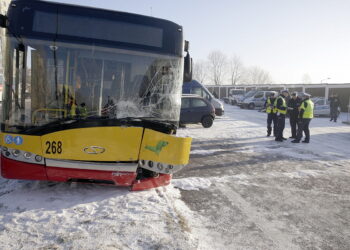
241, 190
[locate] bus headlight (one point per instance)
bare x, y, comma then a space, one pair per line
16, 152
38, 158
27, 155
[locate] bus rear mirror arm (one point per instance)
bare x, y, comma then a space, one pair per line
188, 68
3, 21
187, 46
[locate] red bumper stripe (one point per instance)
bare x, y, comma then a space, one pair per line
148, 183
12, 169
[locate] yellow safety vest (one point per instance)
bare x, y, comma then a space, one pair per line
284, 104
83, 111
269, 110
308, 110
73, 110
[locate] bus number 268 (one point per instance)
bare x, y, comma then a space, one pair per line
53, 147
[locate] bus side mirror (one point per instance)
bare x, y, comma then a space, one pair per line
3, 21
188, 68
187, 46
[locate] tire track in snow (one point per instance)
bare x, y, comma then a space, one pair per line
280, 239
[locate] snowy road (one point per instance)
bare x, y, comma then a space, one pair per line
262, 194
241, 190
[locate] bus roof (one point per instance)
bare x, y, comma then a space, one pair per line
79, 24
92, 8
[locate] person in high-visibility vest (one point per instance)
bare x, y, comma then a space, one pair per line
271, 114
82, 110
306, 114
281, 111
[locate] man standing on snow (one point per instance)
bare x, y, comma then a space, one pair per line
334, 104
281, 111
293, 111
271, 114
306, 114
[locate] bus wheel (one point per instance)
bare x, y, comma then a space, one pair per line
207, 121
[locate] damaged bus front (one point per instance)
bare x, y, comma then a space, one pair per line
92, 96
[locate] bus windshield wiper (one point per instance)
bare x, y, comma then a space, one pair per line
59, 122
152, 120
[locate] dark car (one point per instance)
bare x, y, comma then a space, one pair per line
195, 109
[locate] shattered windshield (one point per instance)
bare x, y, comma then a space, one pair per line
49, 82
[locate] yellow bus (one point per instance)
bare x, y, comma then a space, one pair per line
92, 95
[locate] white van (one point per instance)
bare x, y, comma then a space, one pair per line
257, 100
235, 95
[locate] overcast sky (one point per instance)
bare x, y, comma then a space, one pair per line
287, 38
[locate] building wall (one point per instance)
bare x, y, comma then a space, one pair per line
344, 96
322, 90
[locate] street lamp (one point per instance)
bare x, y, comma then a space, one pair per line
328, 78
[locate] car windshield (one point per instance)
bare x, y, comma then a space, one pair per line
250, 93
50, 81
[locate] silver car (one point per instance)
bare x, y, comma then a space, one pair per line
322, 107
257, 100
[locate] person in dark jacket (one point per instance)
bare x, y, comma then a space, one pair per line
334, 104
281, 111
271, 114
293, 111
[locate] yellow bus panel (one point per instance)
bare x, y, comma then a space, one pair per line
165, 148
94, 144
28, 143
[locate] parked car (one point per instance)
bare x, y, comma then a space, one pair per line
226, 100
257, 100
322, 107
197, 88
247, 95
235, 95
195, 109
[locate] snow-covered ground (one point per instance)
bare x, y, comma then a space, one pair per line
241, 190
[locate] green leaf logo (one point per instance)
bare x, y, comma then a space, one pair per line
158, 148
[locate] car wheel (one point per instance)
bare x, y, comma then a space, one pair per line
251, 106
207, 121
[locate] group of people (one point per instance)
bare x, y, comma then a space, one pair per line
300, 110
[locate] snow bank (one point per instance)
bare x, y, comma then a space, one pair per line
192, 183
61, 216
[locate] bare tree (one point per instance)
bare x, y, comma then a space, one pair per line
217, 66
200, 71
236, 69
306, 79
256, 75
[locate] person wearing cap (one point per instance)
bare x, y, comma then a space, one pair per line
271, 114
306, 114
293, 111
281, 111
